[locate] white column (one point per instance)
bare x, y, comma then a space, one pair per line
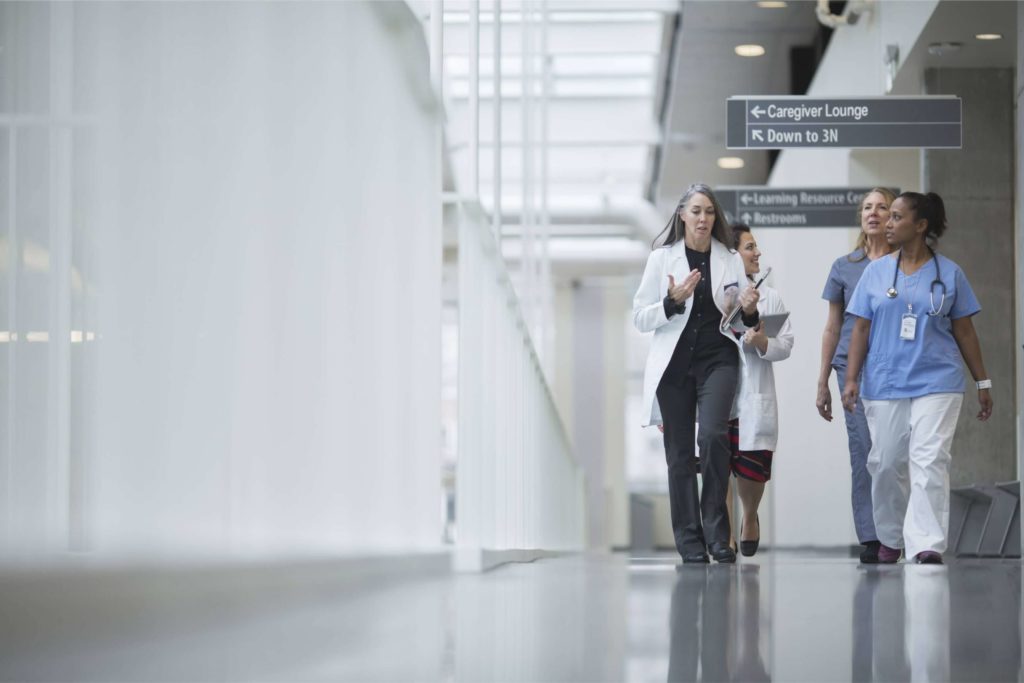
545, 347
58, 471
496, 104
474, 101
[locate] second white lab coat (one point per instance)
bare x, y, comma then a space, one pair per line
756, 404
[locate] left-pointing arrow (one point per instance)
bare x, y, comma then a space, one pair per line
757, 111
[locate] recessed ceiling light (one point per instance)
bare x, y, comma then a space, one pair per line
771, 4
989, 36
730, 163
749, 50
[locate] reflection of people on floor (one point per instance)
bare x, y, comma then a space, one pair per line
863, 607
901, 625
927, 600
702, 635
684, 624
879, 627
749, 662
989, 651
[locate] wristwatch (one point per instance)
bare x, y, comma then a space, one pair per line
984, 384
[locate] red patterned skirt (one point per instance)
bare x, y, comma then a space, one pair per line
752, 465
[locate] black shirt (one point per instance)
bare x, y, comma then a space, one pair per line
700, 345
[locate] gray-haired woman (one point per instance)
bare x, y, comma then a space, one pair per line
691, 281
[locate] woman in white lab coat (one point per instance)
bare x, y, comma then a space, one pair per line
693, 367
754, 432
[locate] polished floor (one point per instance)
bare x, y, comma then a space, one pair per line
782, 617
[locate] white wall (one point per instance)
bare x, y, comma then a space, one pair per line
590, 363
810, 491
245, 215
519, 485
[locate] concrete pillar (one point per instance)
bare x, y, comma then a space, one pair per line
1018, 250
977, 184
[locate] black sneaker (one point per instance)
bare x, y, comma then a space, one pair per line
870, 553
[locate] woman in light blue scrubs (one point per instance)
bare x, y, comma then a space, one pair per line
913, 324
835, 340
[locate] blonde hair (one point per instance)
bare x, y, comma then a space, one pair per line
862, 239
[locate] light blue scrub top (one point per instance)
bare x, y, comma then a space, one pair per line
842, 280
931, 363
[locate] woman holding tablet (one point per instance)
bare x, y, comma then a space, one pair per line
754, 433
913, 324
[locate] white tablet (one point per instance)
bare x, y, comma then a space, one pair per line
773, 323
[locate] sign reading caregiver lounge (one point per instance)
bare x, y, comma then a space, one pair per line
769, 207
873, 122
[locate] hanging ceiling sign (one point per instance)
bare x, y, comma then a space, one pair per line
866, 122
772, 207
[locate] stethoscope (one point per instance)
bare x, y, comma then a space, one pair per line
891, 292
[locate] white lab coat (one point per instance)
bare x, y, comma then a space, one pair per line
756, 404
727, 272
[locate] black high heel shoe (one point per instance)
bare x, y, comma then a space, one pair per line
748, 548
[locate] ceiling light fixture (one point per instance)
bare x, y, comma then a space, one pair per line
771, 4
750, 50
730, 163
989, 36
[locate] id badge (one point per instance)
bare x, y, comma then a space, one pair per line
908, 327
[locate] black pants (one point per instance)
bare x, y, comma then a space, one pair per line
705, 390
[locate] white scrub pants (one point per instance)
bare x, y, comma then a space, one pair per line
909, 466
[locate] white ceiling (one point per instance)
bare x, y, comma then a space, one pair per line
603, 60
708, 72
607, 61
960, 22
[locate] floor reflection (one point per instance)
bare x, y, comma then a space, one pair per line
715, 625
937, 623
602, 617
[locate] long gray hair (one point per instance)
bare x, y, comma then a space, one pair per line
676, 229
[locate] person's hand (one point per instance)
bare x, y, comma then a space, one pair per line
985, 401
661, 428
824, 402
684, 290
755, 336
748, 300
851, 392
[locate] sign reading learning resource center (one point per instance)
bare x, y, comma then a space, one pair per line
871, 122
769, 207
